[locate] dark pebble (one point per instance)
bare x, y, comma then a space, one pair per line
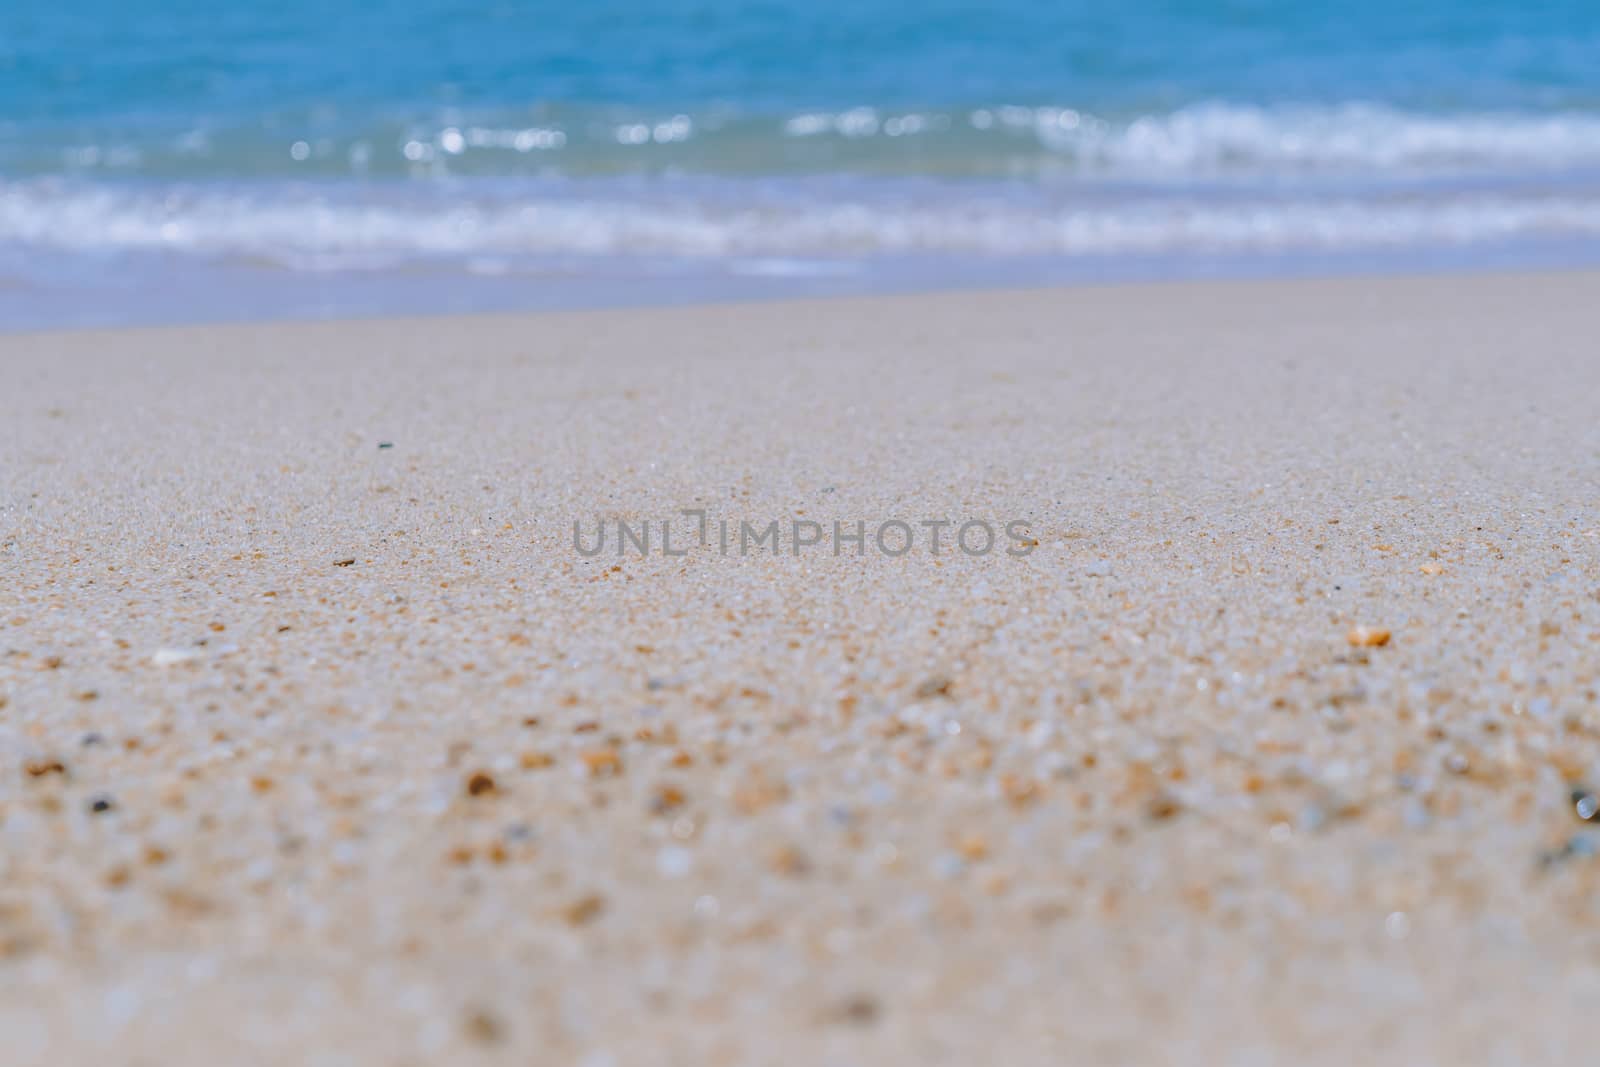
101, 804
858, 1010
1579, 846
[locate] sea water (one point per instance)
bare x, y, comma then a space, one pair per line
265, 158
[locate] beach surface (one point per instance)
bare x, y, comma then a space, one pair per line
321, 741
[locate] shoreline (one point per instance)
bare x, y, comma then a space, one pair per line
852, 290
1276, 744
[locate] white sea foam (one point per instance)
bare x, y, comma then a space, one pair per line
1223, 137
310, 228
1352, 137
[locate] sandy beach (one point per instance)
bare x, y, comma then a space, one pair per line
322, 741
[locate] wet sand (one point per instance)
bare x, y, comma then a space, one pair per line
322, 742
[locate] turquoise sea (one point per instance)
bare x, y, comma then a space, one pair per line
178, 160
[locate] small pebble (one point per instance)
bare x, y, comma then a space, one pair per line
859, 1009
1163, 806
1586, 804
1368, 636
38, 768
668, 798
674, 861
585, 909
790, 861
602, 762
1578, 846
480, 1025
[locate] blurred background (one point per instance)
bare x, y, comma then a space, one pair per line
186, 161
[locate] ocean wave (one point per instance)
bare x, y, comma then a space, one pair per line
310, 227
1217, 137
1214, 139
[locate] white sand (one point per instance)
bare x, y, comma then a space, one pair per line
1132, 798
